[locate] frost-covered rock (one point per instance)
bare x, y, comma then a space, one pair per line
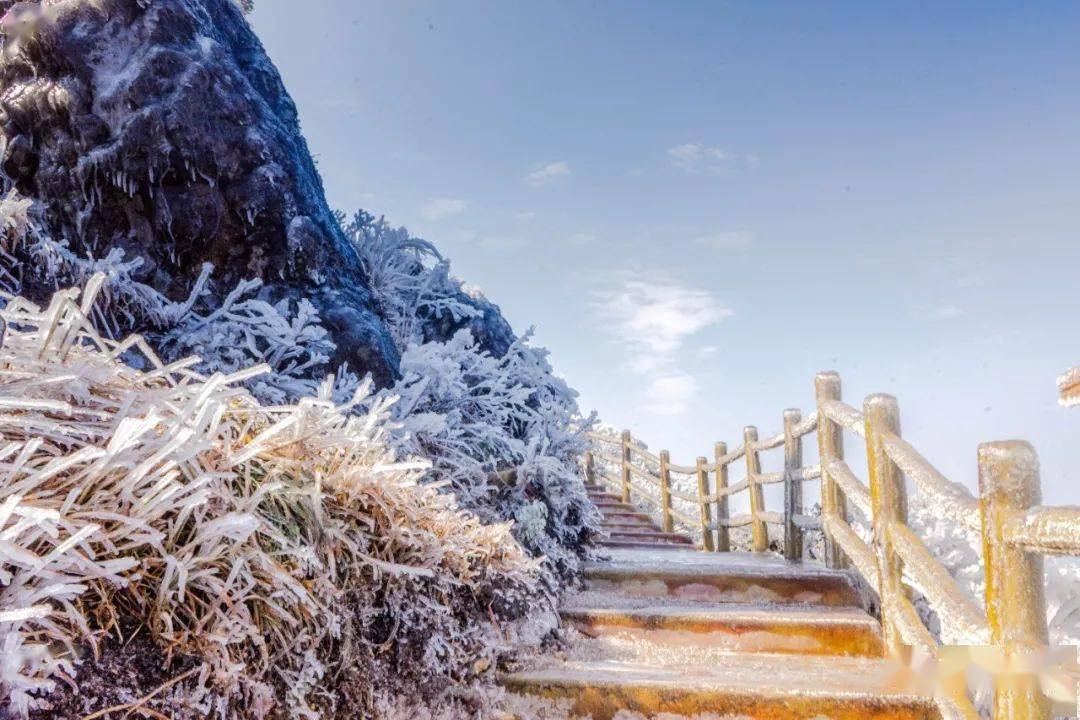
162, 131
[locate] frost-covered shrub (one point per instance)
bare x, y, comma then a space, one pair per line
242, 331
289, 552
503, 431
411, 280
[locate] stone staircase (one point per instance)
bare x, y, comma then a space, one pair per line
665, 628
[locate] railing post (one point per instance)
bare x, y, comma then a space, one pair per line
706, 511
665, 491
590, 468
626, 466
723, 539
757, 495
1015, 597
793, 504
888, 497
830, 447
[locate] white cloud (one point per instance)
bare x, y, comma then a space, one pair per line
548, 174
489, 242
670, 394
695, 156
525, 215
654, 319
698, 157
944, 312
734, 240
581, 238
441, 207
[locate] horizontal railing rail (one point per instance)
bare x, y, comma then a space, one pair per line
895, 563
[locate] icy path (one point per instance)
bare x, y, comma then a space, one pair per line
662, 630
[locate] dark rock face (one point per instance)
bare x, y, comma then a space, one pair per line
489, 327
161, 127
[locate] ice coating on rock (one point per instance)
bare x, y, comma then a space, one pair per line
163, 129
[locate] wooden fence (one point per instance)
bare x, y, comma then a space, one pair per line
1016, 530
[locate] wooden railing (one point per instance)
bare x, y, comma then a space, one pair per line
1016, 531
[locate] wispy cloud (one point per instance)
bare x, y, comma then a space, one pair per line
581, 238
490, 242
733, 240
548, 174
654, 319
441, 207
525, 215
943, 312
670, 394
699, 157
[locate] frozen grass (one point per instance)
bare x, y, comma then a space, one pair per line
286, 548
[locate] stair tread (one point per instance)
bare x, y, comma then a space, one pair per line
660, 546
694, 562
744, 673
733, 612
650, 533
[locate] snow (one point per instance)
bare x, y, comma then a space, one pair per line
213, 520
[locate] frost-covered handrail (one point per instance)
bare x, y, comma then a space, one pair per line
644, 474
687, 497
769, 443
940, 589
845, 415
607, 458
712, 502
1048, 530
1014, 527
737, 521
725, 492
957, 502
853, 488
771, 517
644, 454
854, 548
727, 458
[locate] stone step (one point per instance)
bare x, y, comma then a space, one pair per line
642, 545
630, 522
718, 577
606, 499
761, 686
606, 506
648, 534
630, 527
623, 515
747, 628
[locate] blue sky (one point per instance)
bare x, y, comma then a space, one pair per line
700, 205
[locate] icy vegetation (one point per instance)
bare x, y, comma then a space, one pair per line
286, 554
255, 529
383, 509
503, 430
